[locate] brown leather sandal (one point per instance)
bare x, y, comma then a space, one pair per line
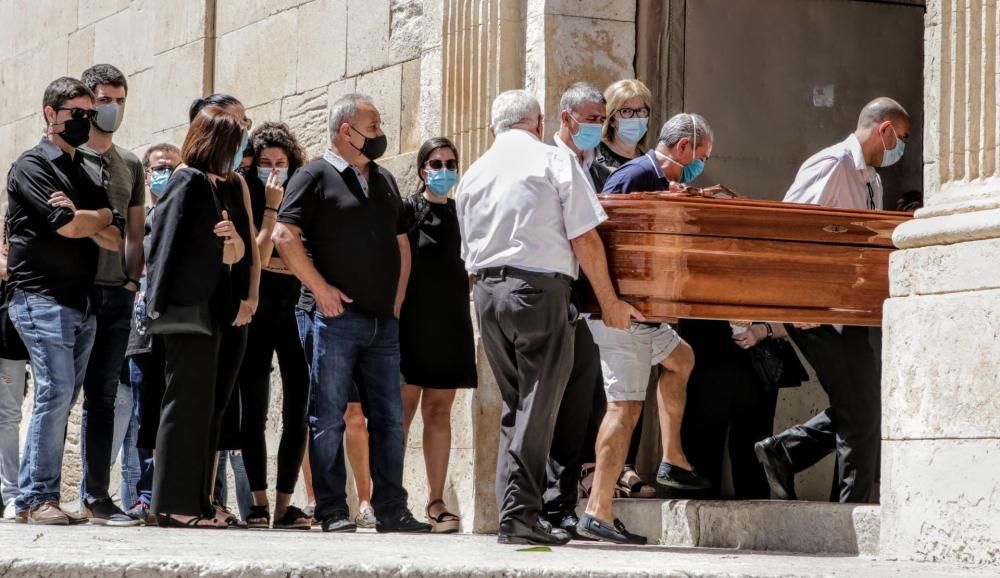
443, 523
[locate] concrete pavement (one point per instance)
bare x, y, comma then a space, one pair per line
95, 551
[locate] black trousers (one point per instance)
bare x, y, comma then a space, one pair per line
226, 421
151, 366
185, 444
274, 330
573, 423
848, 366
527, 326
725, 404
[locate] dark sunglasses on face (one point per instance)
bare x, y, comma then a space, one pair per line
438, 164
79, 113
634, 112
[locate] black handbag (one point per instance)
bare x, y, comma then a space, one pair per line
182, 319
777, 365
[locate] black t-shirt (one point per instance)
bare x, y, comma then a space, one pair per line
350, 236
41, 260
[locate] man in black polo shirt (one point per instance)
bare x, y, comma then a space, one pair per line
341, 232
58, 216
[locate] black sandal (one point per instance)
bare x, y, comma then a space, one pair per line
443, 523
231, 520
293, 519
254, 517
168, 521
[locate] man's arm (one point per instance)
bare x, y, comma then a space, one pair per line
109, 238
589, 251
404, 272
86, 223
288, 241
134, 230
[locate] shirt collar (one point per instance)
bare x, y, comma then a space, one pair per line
654, 155
337, 161
588, 156
52, 150
854, 147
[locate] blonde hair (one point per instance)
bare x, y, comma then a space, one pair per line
616, 95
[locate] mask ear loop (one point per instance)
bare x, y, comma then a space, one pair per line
694, 136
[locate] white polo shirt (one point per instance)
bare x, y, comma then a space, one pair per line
521, 203
588, 155
837, 176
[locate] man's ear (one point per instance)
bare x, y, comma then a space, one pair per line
564, 117
540, 127
493, 133
50, 115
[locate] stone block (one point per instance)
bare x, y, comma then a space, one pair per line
321, 43
404, 168
80, 55
181, 69
385, 88
137, 126
8, 23
27, 75
368, 23
90, 11
623, 10
941, 500
174, 135
126, 38
341, 87
253, 70
306, 115
431, 81
231, 15
41, 22
485, 412
269, 111
935, 387
409, 28
178, 23
410, 130
945, 268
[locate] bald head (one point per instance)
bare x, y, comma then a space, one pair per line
880, 110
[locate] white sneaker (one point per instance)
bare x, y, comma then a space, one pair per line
8, 512
365, 517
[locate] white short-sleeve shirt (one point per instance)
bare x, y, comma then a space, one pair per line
521, 203
837, 176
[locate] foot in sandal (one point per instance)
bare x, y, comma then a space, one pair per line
442, 521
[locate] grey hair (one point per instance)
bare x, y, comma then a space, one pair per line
880, 110
685, 125
512, 107
579, 93
344, 109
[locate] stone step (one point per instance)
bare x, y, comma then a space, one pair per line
761, 525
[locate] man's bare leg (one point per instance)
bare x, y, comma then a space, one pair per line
612, 446
671, 396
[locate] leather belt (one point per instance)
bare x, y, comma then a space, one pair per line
507, 271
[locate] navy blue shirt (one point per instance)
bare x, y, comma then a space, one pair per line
642, 174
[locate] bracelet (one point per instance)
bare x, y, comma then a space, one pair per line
770, 330
270, 209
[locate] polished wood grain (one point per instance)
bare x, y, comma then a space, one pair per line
681, 257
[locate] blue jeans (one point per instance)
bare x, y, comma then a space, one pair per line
12, 376
244, 498
123, 444
59, 340
354, 348
144, 484
112, 308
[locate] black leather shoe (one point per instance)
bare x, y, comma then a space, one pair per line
777, 467
679, 478
566, 521
595, 529
541, 534
339, 522
401, 523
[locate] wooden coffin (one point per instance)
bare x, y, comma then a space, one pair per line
679, 257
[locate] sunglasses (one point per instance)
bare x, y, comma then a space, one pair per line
80, 113
438, 164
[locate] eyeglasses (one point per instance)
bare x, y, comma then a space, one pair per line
634, 112
81, 113
438, 164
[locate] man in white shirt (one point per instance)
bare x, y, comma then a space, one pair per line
847, 360
528, 214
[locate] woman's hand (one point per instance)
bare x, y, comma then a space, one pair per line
273, 191
245, 314
751, 337
230, 238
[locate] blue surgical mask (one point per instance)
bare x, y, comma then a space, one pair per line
631, 130
892, 156
440, 182
588, 136
158, 181
265, 173
238, 159
692, 171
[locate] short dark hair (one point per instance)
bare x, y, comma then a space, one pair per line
212, 140
161, 147
427, 149
64, 89
218, 99
278, 135
104, 74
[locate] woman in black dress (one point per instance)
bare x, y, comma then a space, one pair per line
435, 327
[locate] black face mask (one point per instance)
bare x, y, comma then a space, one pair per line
76, 131
373, 147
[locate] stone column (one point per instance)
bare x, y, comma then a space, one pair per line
941, 408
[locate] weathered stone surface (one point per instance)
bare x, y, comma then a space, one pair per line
321, 43
306, 115
90, 11
27, 75
81, 50
177, 23
235, 14
430, 95
948, 229
934, 388
137, 125
385, 88
126, 38
410, 133
269, 111
59, 20
408, 29
181, 69
404, 168
623, 11
485, 410
255, 71
945, 268
941, 500
599, 51
366, 46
